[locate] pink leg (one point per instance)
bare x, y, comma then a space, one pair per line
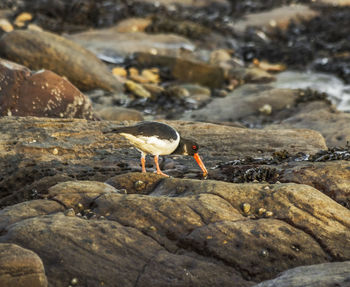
157, 166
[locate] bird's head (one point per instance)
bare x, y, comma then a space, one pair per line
190, 147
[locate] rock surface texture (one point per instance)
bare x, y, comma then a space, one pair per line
93, 219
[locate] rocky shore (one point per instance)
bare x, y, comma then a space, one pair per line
75, 209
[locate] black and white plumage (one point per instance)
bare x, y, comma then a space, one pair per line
157, 139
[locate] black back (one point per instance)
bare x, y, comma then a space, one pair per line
162, 131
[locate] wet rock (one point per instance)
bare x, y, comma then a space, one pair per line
101, 246
278, 17
244, 102
42, 94
112, 46
322, 275
44, 50
72, 193
20, 267
28, 209
119, 114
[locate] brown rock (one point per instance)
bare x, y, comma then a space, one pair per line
332, 178
20, 267
332, 124
186, 70
43, 50
301, 206
92, 251
71, 193
132, 25
28, 209
42, 94
320, 275
119, 114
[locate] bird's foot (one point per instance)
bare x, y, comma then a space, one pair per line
162, 173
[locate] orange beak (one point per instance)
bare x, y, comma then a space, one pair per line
201, 164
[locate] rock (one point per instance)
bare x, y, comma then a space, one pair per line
94, 249
321, 275
332, 178
42, 94
244, 102
128, 182
188, 71
278, 17
332, 124
43, 50
5, 25
193, 3
57, 150
335, 2
137, 89
109, 44
22, 18
28, 209
71, 193
132, 25
301, 206
20, 267
119, 114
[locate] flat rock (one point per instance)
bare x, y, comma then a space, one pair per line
246, 101
108, 43
20, 267
28, 209
43, 50
332, 124
41, 94
278, 17
320, 275
37, 153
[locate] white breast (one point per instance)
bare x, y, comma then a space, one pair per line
153, 145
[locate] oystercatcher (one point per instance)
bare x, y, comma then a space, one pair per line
157, 139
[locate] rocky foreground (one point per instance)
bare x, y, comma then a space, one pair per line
75, 209
80, 212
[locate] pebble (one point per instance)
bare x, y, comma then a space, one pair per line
69, 212
268, 213
139, 185
246, 207
261, 211
74, 281
55, 151
5, 25
266, 109
137, 89
264, 253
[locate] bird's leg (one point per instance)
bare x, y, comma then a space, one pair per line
143, 162
157, 166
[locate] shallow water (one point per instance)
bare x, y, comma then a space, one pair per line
337, 91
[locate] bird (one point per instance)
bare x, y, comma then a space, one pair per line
156, 138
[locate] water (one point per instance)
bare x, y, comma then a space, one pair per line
338, 92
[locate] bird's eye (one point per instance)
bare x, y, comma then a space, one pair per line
194, 147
